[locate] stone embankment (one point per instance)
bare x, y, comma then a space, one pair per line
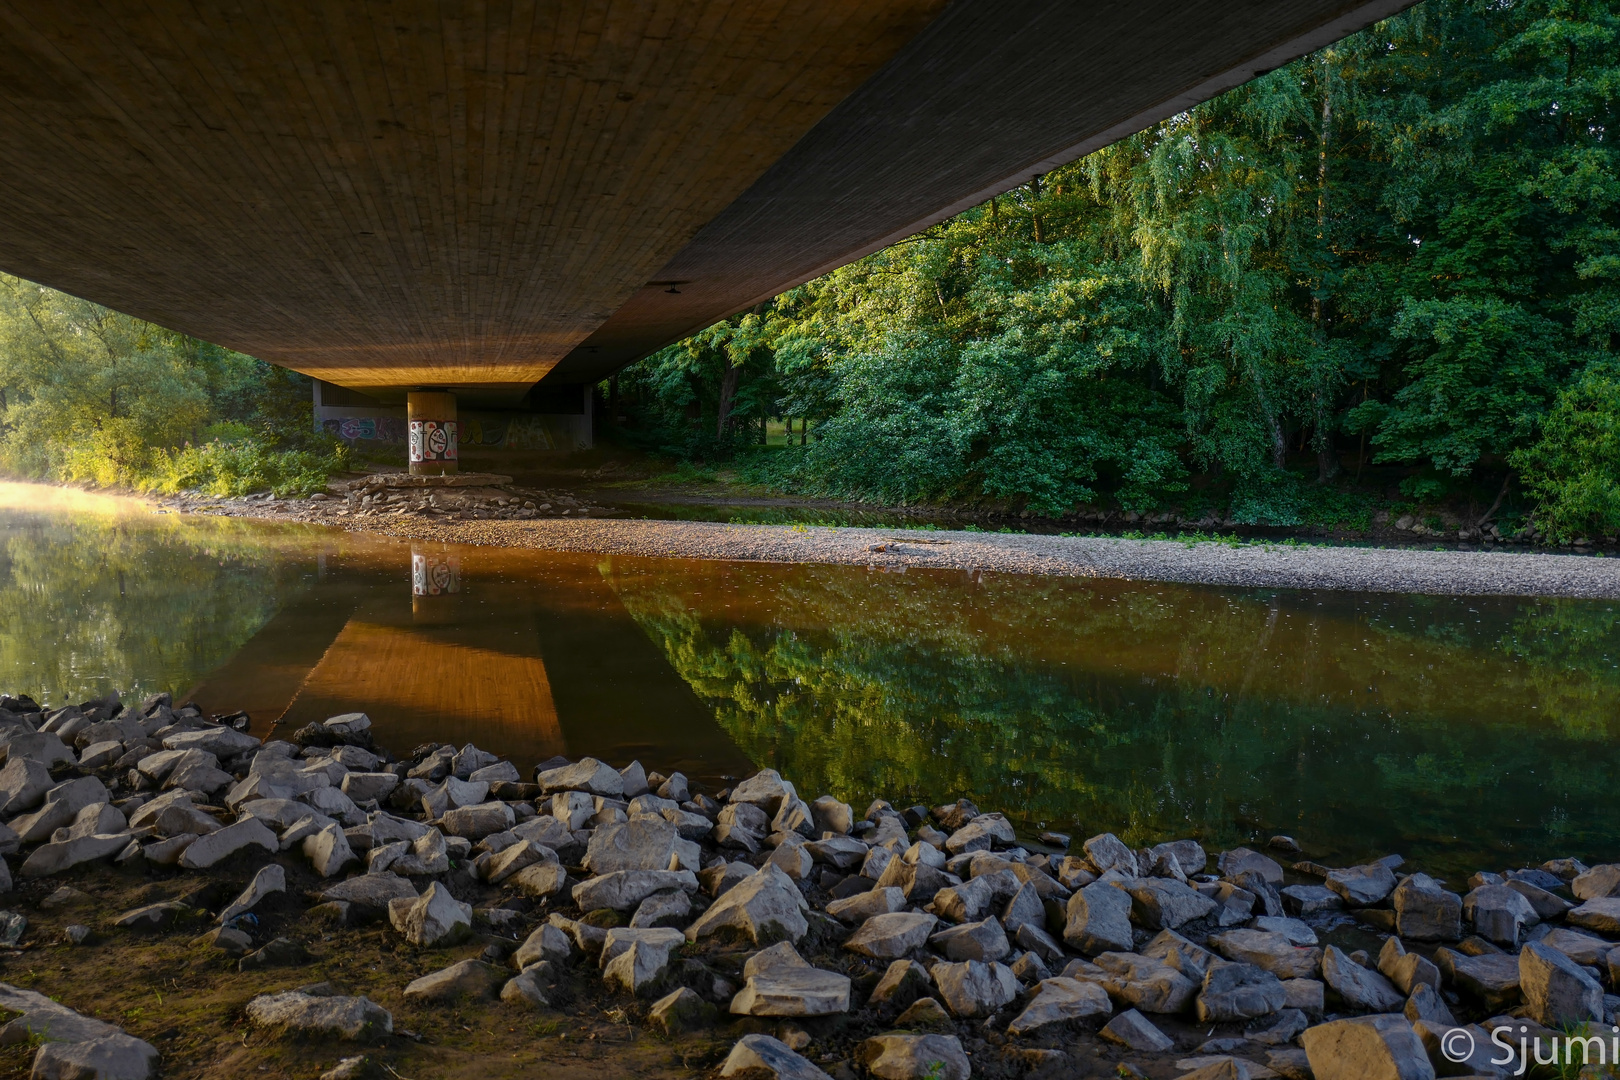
815, 941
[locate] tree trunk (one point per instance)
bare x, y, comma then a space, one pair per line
1035, 216
1279, 438
1327, 462
728, 390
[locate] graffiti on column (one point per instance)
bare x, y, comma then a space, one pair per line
434, 573
355, 428
433, 440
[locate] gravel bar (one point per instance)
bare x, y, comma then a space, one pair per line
1253, 564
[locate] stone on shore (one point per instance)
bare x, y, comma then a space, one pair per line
1597, 883
209, 850
780, 983
1363, 886
1498, 913
1601, 914
862, 906
624, 890
680, 1012
971, 988
541, 879
328, 850
1133, 1030
1099, 918
355, 1018
903, 983
1058, 1001
469, 978
1557, 991
1239, 992
642, 844
1108, 852
1145, 983
23, 784
1426, 912
53, 858
588, 774
369, 786
898, 1056
984, 940
1359, 987
533, 987
269, 879
1166, 904
1270, 951
765, 908
477, 821
636, 959
1425, 1003
1366, 1048
370, 890
431, 918
770, 1055
1406, 970
111, 1057
888, 937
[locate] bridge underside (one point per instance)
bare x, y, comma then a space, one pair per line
478, 196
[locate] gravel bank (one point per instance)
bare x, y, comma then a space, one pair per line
1250, 565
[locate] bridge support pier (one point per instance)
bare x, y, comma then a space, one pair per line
433, 431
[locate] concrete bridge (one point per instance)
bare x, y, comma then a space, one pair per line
503, 201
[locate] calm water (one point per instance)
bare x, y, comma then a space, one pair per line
1463, 733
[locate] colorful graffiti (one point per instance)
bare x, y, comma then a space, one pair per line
434, 573
388, 429
433, 440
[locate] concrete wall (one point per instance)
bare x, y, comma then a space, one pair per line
545, 426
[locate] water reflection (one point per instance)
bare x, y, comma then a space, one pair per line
1460, 731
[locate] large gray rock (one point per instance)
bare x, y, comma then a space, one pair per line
1493, 979
624, 890
974, 989
535, 987
642, 844
328, 850
1144, 983
588, 774
780, 983
1546, 905
217, 846
1108, 852
1426, 912
770, 1055
1236, 863
1601, 914
1363, 886
981, 834
765, 789
1557, 991
1133, 1030
270, 879
680, 1012
1584, 949
898, 1056
889, 937
1167, 904
469, 978
1498, 913
985, 940
1597, 883
1366, 1048
370, 890
347, 1017
635, 959
843, 852
44, 747
1479, 1055
862, 906
1269, 951
1099, 919
832, 816
1360, 988
1406, 970
1058, 1001
546, 943
369, 786
23, 784
541, 880
479, 820
765, 908
433, 917
741, 825
111, 1057
666, 908
54, 858
1239, 992
222, 742
1425, 1003
1310, 899
967, 902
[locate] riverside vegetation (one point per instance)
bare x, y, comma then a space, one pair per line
1382, 274
750, 933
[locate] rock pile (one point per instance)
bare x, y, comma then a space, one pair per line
921, 931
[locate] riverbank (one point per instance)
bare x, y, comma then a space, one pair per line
191, 900
1454, 569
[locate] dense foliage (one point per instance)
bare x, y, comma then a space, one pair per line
1403, 250
90, 395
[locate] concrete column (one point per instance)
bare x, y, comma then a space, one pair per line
431, 416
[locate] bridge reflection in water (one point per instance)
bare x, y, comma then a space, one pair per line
527, 657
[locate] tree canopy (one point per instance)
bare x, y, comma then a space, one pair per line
1402, 250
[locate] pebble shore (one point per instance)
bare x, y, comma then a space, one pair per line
802, 938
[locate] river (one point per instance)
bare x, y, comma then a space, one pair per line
1461, 732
